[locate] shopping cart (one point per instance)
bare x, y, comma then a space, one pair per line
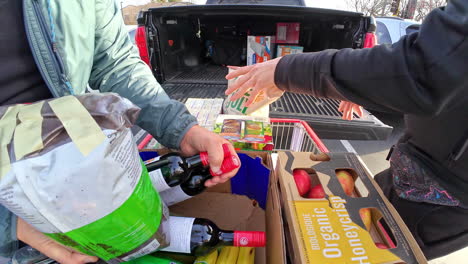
295, 135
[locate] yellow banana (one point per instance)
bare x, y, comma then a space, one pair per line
246, 255
208, 259
228, 255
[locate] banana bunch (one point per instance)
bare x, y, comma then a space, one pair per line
229, 255
208, 259
246, 255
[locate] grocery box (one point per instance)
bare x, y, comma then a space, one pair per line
243, 203
287, 33
205, 110
245, 132
283, 50
347, 225
259, 49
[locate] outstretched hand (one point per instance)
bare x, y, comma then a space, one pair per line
348, 108
254, 79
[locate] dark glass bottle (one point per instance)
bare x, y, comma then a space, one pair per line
172, 169
193, 186
198, 236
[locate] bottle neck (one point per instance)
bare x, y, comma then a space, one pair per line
195, 162
226, 238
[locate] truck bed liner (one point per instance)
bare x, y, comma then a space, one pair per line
321, 114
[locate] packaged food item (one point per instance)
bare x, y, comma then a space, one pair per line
205, 110
259, 49
254, 131
232, 129
284, 50
287, 33
259, 107
70, 168
245, 132
200, 236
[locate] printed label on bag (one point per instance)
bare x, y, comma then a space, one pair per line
174, 195
149, 248
180, 232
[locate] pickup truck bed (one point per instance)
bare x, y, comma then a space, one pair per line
178, 38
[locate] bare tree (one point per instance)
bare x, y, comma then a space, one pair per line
370, 7
382, 7
424, 7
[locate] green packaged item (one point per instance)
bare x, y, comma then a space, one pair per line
245, 132
153, 260
70, 168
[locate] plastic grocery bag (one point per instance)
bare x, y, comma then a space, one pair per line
70, 168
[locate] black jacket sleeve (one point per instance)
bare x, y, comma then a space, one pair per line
421, 74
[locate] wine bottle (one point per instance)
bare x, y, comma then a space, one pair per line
198, 236
193, 186
172, 169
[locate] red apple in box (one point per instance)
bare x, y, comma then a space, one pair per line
346, 181
316, 192
303, 182
381, 245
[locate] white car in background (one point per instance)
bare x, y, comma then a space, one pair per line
391, 29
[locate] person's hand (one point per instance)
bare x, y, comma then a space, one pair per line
48, 247
348, 108
254, 79
197, 140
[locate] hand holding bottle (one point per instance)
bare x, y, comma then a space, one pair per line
197, 140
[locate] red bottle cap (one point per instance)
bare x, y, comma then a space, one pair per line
204, 158
249, 239
230, 162
204, 155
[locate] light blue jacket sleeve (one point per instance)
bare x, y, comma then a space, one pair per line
118, 68
8, 240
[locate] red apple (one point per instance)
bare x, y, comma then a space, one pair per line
381, 245
366, 217
316, 192
346, 180
303, 182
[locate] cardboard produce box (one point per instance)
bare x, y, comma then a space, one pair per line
331, 230
250, 202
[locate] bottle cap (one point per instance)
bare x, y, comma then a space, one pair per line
249, 239
204, 158
230, 162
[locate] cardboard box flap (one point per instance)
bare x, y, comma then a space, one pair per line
228, 211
